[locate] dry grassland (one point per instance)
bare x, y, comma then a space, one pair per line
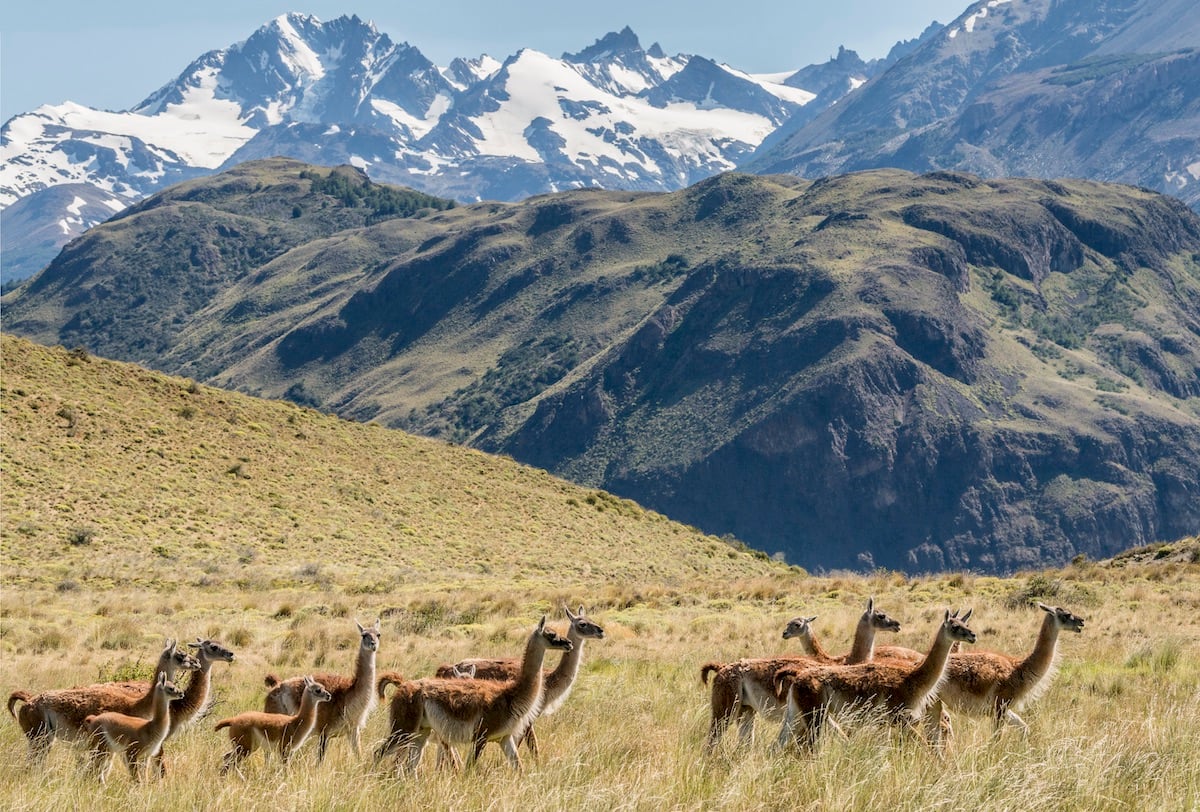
325, 522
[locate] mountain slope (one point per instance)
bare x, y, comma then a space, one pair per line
199, 237
920, 372
1025, 87
36, 227
172, 483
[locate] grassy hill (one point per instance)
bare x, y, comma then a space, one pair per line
115, 475
138, 506
879, 369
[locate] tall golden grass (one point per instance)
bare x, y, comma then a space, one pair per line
1119, 729
138, 507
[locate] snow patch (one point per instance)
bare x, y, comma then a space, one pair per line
607, 140
418, 126
666, 67
302, 59
968, 24
773, 84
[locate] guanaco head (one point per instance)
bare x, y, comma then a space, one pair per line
583, 627
211, 651
1064, 619
370, 635
799, 627
463, 671
879, 620
318, 691
551, 638
956, 627
168, 688
184, 661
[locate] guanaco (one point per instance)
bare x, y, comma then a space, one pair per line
470, 711
986, 683
558, 682
901, 689
287, 732
136, 738
353, 698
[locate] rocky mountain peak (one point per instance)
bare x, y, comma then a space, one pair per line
612, 45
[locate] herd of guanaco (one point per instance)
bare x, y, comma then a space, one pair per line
477, 701
912, 689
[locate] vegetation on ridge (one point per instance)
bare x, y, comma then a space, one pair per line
878, 369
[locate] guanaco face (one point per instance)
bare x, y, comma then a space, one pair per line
1064, 619
798, 627
553, 639
956, 626
582, 626
212, 651
316, 690
370, 636
880, 620
184, 661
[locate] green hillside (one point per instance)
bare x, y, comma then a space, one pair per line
881, 369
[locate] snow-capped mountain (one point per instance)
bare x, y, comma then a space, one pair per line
614, 115
1042, 88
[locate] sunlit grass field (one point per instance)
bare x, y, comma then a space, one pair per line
138, 507
1119, 729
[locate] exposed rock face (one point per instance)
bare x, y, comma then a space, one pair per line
876, 369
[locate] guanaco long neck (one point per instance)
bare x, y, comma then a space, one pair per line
195, 696
306, 717
863, 649
160, 723
364, 671
813, 646
1041, 660
530, 682
923, 679
559, 681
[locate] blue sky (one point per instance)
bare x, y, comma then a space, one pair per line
113, 54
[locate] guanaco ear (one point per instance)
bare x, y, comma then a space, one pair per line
870, 604
541, 623
570, 616
581, 612
1046, 608
197, 644
948, 616
810, 619
967, 615
378, 625
361, 628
